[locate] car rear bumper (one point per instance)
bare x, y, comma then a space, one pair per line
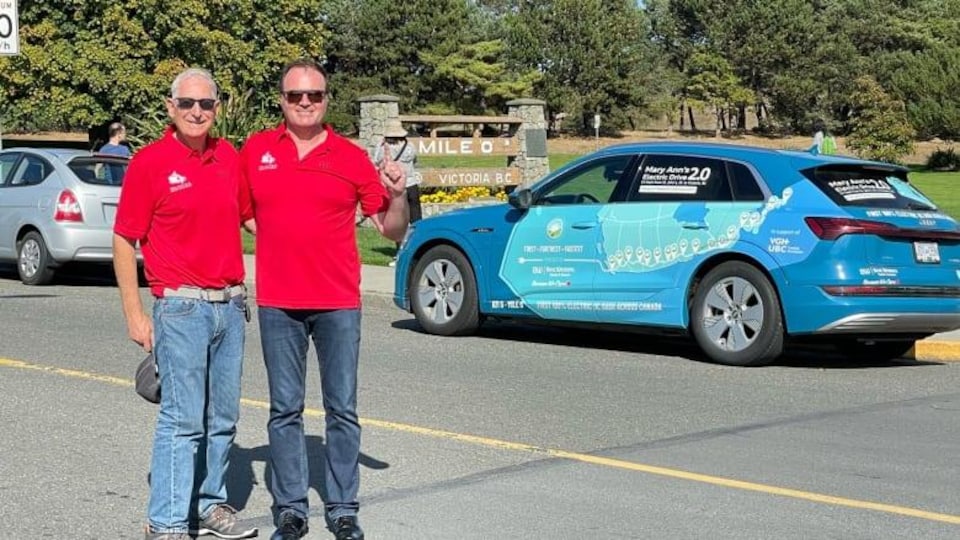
71, 243
900, 323
809, 310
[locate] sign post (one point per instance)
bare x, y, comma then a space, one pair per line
596, 127
9, 36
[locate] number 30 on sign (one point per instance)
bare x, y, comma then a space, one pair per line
9, 31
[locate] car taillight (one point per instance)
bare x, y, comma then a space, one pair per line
857, 290
68, 208
828, 228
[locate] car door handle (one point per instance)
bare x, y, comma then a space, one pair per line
696, 225
582, 225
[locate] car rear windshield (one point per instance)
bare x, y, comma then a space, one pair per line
99, 171
873, 187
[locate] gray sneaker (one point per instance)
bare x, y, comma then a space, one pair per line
222, 523
150, 535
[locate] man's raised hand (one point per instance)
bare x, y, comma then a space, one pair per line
391, 173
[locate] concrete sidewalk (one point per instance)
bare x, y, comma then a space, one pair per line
377, 285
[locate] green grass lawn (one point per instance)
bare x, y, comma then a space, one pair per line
943, 188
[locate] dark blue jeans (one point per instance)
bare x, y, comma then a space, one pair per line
336, 336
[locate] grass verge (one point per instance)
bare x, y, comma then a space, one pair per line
374, 248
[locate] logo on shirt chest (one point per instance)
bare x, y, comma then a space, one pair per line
178, 182
267, 162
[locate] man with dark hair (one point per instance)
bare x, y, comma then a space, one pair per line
118, 133
183, 183
305, 182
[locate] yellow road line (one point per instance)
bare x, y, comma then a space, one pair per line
557, 453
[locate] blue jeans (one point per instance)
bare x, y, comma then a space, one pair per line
336, 336
199, 351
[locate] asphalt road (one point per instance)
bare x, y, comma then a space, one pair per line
520, 432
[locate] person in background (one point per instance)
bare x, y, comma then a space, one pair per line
115, 147
304, 182
818, 139
183, 183
396, 145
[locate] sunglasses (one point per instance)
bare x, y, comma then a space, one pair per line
315, 96
185, 103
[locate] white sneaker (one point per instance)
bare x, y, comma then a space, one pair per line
392, 263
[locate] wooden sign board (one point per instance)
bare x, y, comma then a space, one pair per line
465, 146
484, 177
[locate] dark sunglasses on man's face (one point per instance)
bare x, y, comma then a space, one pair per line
185, 103
315, 96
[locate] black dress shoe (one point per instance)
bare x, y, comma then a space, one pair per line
290, 526
346, 528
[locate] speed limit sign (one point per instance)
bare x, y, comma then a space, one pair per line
9, 28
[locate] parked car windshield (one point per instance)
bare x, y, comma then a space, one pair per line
99, 171
868, 187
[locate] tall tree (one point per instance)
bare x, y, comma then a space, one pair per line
594, 55
85, 62
376, 47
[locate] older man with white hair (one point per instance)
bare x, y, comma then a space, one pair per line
181, 185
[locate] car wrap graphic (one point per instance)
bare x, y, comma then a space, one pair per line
560, 267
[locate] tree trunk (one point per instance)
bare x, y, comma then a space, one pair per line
719, 115
693, 125
683, 120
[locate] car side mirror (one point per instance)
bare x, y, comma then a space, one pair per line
521, 199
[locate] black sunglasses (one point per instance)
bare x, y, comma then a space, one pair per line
315, 96
186, 103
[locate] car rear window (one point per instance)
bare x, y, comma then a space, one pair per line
868, 187
99, 171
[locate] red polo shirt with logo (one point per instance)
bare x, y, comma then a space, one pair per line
305, 209
184, 208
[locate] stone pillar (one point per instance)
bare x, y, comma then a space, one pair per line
375, 111
532, 159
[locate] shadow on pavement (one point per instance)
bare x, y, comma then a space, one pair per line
241, 477
75, 274
796, 356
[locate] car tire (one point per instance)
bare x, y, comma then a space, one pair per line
443, 293
873, 351
33, 260
735, 316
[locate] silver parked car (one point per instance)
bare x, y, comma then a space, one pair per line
57, 205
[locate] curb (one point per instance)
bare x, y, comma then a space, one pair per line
935, 351
377, 300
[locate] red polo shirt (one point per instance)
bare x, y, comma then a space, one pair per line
305, 210
183, 207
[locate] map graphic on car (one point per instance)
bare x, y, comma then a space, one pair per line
627, 241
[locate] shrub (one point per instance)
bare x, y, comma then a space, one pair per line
944, 160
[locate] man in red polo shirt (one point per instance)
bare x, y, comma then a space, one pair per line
305, 182
180, 200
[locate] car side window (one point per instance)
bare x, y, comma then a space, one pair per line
31, 171
7, 162
594, 182
678, 178
744, 183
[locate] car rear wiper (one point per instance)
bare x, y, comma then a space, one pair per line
920, 206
